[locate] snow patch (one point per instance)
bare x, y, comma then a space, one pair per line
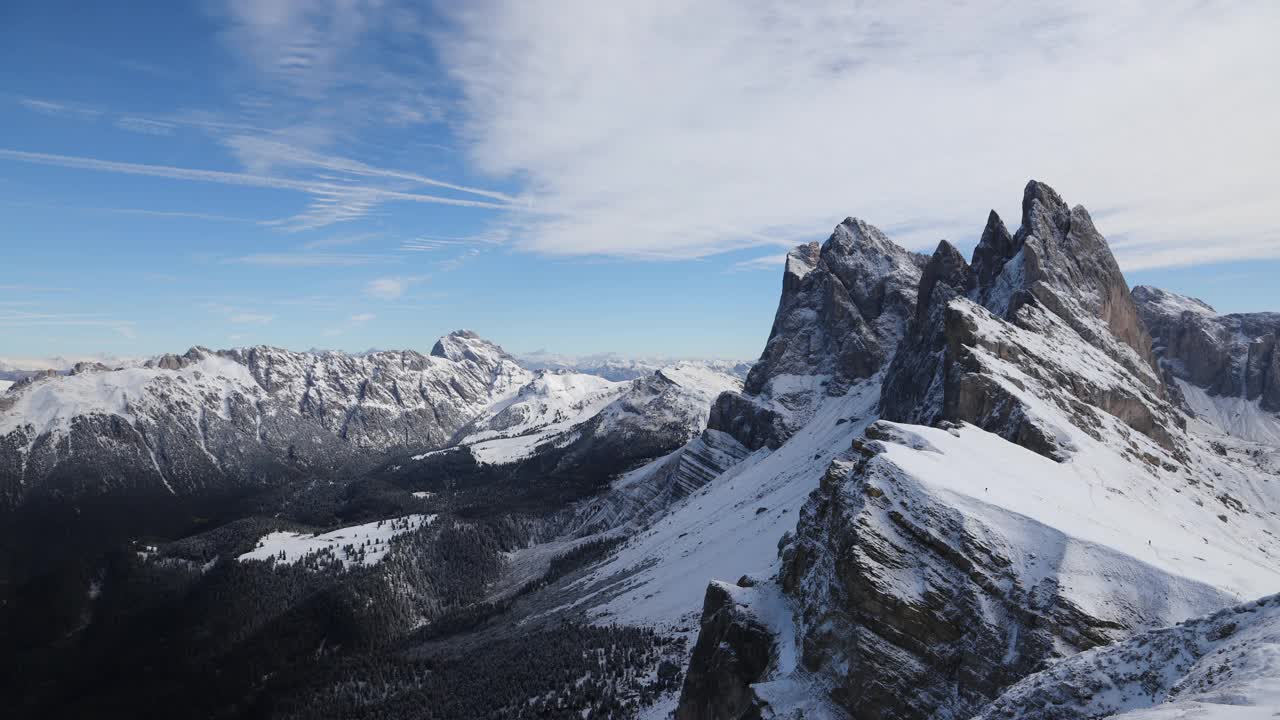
344, 543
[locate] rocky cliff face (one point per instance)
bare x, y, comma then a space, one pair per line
1036, 495
252, 415
844, 307
1232, 356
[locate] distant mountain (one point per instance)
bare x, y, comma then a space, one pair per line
616, 367
179, 423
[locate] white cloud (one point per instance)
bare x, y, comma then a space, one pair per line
386, 288
765, 262
363, 317
688, 127
391, 288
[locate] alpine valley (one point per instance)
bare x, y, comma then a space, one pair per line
1005, 486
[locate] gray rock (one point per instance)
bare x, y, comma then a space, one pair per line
1226, 355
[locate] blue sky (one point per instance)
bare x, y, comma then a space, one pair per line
612, 177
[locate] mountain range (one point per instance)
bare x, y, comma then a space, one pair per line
989, 487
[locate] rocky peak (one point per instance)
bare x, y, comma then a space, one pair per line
946, 266
845, 304
1068, 268
464, 345
1056, 271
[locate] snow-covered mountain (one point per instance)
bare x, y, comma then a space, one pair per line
942, 476
261, 415
250, 415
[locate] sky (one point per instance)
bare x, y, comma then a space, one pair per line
583, 177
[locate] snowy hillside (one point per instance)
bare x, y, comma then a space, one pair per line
558, 409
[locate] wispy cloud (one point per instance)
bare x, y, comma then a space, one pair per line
145, 126
50, 107
340, 241
177, 214
312, 259
431, 243
262, 155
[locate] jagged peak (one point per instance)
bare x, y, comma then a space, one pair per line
855, 235
994, 249
800, 262
947, 265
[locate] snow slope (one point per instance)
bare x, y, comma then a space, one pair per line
1093, 521
289, 548
730, 528
1235, 416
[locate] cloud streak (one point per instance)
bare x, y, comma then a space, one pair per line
331, 202
318, 188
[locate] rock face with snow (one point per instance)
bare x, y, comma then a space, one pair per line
1225, 665
1055, 279
246, 416
1229, 356
844, 307
1030, 492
